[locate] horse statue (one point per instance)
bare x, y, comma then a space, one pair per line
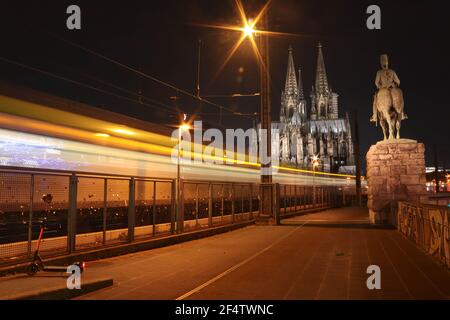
388, 103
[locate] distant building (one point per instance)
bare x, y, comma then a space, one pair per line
318, 131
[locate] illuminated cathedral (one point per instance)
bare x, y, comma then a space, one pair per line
316, 131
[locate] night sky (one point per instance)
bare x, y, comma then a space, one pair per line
160, 38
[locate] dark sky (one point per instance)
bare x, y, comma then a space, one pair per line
160, 39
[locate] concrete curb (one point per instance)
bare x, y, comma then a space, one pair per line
126, 248
62, 293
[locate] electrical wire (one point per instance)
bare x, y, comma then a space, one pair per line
145, 75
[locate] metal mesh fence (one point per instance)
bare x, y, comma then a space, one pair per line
295, 198
101, 206
145, 208
117, 210
163, 206
15, 199
255, 204
90, 212
50, 203
191, 204
228, 196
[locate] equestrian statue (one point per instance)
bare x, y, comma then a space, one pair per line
388, 102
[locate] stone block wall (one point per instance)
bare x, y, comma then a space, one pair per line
395, 172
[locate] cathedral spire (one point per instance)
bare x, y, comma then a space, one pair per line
300, 85
321, 74
291, 82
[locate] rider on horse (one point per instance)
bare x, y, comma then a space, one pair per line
386, 78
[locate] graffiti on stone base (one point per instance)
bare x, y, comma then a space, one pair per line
428, 227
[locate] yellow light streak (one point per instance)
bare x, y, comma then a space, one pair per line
34, 118
123, 131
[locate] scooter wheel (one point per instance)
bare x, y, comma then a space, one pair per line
32, 269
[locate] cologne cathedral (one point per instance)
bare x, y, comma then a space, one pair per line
316, 131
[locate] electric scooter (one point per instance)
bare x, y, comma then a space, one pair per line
38, 264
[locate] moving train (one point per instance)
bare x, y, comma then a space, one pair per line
42, 131
55, 135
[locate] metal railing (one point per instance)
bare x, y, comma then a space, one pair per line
301, 197
84, 211
291, 199
81, 211
207, 204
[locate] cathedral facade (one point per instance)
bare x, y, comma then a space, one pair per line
304, 132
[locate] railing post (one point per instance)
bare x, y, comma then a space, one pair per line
210, 205
296, 197
242, 202
327, 197
277, 204
222, 207
197, 206
250, 209
131, 209
72, 213
30, 217
314, 197
154, 210
304, 197
289, 201
105, 208
284, 199
180, 205
321, 196
232, 203
173, 211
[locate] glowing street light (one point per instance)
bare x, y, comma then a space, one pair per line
315, 163
249, 28
184, 127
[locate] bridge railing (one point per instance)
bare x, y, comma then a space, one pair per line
84, 210
295, 198
208, 204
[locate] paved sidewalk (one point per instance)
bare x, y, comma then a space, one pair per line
318, 256
47, 285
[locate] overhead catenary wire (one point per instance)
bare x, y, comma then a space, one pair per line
143, 74
85, 85
79, 83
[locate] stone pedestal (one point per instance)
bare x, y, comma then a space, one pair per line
395, 172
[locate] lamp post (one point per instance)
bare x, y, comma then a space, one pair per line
267, 201
315, 164
178, 195
261, 51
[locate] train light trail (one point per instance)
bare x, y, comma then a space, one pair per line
103, 135
123, 131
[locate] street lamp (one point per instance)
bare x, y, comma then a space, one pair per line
248, 29
185, 127
261, 52
315, 163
